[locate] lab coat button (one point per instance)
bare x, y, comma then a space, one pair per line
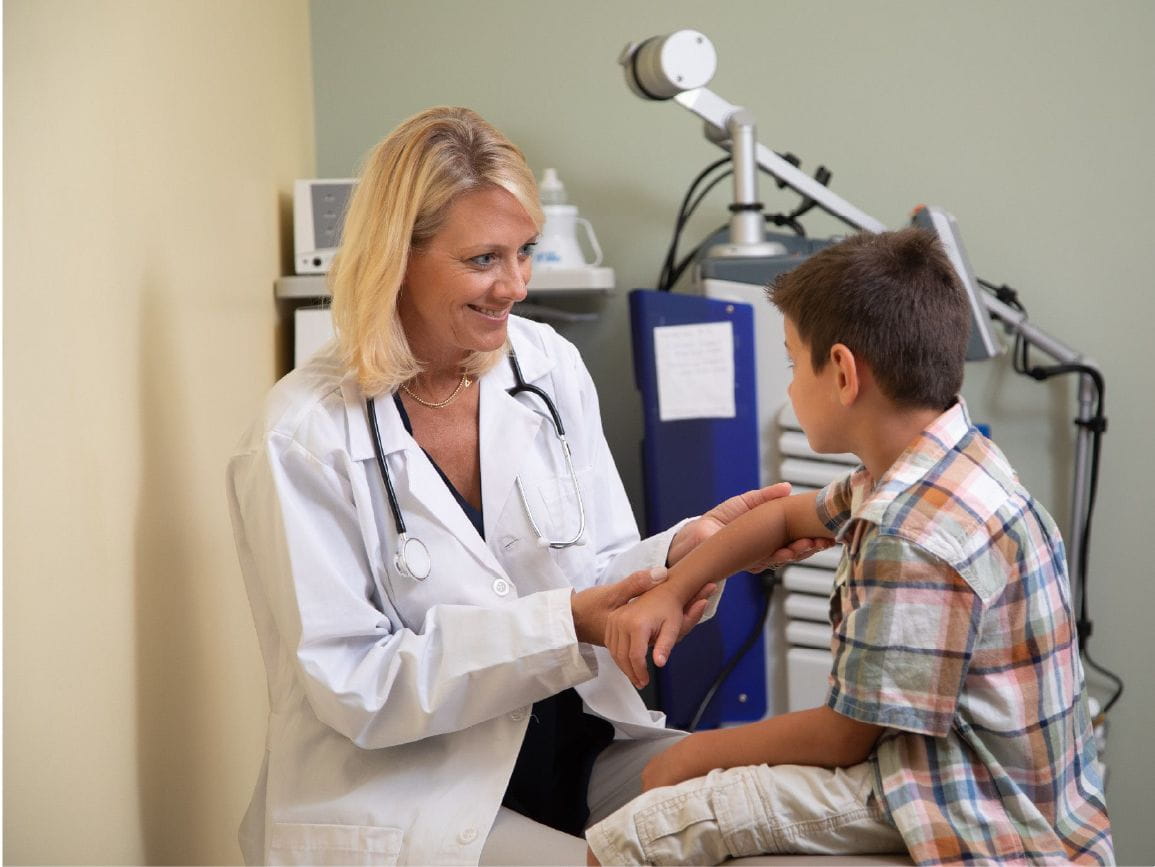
500, 586
467, 836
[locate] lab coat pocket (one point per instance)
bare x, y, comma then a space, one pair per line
558, 512
293, 843
559, 506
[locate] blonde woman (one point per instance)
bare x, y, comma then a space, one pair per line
429, 560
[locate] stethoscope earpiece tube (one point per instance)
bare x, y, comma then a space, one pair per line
521, 385
371, 411
412, 558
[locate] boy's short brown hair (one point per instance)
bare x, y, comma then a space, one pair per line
895, 301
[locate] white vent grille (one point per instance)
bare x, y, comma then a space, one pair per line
807, 585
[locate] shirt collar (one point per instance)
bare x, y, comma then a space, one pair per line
942, 434
939, 438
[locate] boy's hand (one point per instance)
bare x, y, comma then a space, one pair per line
657, 618
592, 607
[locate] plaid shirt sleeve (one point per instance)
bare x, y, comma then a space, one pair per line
905, 627
834, 501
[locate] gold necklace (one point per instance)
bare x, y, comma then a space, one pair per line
465, 383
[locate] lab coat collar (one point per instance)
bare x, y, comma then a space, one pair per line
507, 430
394, 437
535, 364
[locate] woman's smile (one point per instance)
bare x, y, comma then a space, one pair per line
498, 313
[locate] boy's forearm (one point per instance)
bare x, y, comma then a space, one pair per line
731, 549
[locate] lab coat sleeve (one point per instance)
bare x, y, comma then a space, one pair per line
366, 676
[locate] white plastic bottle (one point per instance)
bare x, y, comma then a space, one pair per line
551, 189
558, 245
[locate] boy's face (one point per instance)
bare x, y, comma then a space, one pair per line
813, 395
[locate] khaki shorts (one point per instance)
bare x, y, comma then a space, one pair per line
748, 811
616, 780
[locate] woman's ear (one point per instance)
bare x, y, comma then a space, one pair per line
847, 374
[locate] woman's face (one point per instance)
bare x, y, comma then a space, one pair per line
460, 287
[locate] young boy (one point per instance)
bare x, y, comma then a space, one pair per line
956, 724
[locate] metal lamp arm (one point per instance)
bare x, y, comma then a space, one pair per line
716, 112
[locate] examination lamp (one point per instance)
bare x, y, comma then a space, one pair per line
664, 66
678, 67
680, 64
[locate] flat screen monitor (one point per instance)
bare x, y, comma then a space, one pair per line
982, 343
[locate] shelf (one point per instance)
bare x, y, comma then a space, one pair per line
558, 281
302, 286
565, 280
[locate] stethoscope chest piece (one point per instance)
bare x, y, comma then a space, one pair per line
412, 559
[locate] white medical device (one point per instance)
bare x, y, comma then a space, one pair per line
677, 67
318, 214
982, 344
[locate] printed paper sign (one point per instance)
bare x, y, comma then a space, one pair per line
695, 366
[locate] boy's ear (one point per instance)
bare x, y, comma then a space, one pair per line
847, 374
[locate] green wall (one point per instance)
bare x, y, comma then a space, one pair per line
1032, 122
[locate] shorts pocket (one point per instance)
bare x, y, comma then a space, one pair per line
294, 843
681, 827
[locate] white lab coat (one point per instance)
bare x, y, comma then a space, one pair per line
397, 707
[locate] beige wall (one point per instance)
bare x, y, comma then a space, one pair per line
149, 151
1031, 121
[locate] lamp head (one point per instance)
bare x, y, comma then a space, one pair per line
661, 67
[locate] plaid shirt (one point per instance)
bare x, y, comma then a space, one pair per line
953, 629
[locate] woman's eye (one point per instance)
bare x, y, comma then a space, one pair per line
527, 250
485, 259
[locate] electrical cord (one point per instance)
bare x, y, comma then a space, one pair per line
1097, 425
664, 283
676, 272
783, 220
697, 201
769, 579
690, 257
673, 268
823, 176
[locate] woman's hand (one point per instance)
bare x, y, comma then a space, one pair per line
702, 528
592, 607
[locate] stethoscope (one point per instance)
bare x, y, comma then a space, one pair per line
412, 558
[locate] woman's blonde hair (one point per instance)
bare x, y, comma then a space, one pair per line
407, 184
